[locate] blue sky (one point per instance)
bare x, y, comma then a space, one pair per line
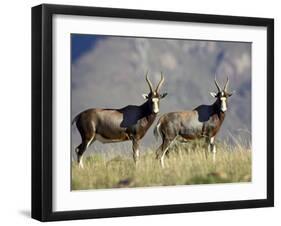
81, 43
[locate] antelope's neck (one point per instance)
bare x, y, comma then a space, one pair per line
221, 116
150, 118
217, 111
147, 118
147, 113
146, 122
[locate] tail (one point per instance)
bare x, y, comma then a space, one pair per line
156, 130
75, 119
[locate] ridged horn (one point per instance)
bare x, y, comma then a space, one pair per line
160, 83
226, 85
217, 85
149, 82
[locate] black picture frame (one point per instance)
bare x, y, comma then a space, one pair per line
42, 111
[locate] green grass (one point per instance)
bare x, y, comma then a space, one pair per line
186, 164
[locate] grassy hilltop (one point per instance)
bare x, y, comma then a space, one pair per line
186, 164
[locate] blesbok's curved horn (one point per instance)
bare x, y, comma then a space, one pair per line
160, 83
149, 82
226, 85
217, 85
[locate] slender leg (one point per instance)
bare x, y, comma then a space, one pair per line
87, 133
159, 152
212, 148
136, 152
164, 148
81, 149
208, 149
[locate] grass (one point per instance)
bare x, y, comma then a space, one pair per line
186, 164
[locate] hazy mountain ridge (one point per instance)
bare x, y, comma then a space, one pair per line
112, 75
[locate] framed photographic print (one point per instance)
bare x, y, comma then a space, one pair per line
145, 112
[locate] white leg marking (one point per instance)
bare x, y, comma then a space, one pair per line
81, 165
90, 141
137, 153
163, 155
214, 153
136, 157
213, 149
162, 161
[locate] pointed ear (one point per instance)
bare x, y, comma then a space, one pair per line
163, 95
213, 94
145, 96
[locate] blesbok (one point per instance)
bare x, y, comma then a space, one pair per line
202, 122
117, 125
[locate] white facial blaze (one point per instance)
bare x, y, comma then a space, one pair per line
155, 105
223, 104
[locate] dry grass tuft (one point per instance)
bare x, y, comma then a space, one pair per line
187, 164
